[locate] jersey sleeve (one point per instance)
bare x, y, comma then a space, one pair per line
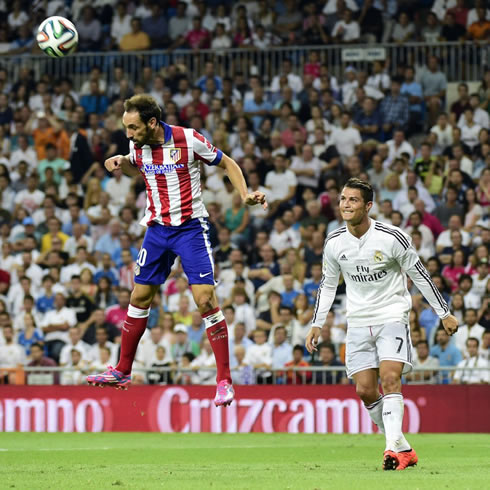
205, 151
132, 159
409, 261
328, 287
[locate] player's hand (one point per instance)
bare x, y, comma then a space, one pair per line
312, 339
256, 198
114, 162
450, 324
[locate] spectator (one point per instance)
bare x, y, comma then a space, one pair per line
423, 361
447, 353
183, 344
55, 326
117, 313
89, 30
259, 356
434, 84
327, 358
346, 30
75, 342
11, 353
471, 328
121, 23
102, 343
473, 375
346, 139
39, 359
156, 26
136, 39
297, 377
394, 109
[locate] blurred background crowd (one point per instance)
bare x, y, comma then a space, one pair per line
70, 233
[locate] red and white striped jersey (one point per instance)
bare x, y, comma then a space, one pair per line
172, 175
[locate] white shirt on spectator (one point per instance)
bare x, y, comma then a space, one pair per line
440, 7
480, 117
174, 299
331, 6
147, 349
119, 189
464, 333
294, 82
427, 236
55, 317
93, 354
279, 184
444, 136
473, 16
351, 32
74, 270
469, 136
11, 355
466, 375
182, 99
245, 314
346, 140
284, 240
444, 239
315, 164
29, 156
396, 151
65, 354
379, 81
29, 200
259, 354
70, 246
120, 27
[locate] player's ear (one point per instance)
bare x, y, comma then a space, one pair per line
153, 122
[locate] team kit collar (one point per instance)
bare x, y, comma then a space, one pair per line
365, 236
167, 131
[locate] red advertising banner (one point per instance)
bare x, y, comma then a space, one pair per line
294, 409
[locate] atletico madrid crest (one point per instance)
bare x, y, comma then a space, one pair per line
175, 154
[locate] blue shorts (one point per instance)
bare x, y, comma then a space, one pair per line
162, 244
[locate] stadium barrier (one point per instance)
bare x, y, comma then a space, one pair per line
459, 60
293, 409
292, 375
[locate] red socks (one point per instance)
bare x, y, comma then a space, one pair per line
217, 332
132, 330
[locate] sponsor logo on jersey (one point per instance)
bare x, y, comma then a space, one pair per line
378, 256
343, 257
151, 168
137, 270
365, 275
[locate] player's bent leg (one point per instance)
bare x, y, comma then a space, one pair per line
367, 390
217, 332
398, 453
133, 328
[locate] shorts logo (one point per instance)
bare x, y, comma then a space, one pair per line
175, 154
378, 256
137, 269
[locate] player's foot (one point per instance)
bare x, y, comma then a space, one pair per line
224, 394
111, 377
406, 459
390, 460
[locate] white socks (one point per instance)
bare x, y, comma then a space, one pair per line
392, 420
375, 411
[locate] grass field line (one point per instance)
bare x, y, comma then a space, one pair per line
94, 448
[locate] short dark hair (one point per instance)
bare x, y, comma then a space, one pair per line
145, 105
365, 188
37, 344
474, 339
423, 342
298, 347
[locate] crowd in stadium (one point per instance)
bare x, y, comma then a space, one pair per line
70, 233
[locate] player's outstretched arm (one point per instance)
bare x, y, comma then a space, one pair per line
236, 177
122, 162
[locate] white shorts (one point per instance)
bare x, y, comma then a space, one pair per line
366, 347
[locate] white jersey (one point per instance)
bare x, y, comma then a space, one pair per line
374, 268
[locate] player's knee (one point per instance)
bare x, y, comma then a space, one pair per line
391, 382
366, 393
141, 299
204, 302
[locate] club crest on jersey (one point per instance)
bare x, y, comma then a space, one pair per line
175, 154
378, 256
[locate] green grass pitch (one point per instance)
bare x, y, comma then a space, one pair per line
246, 461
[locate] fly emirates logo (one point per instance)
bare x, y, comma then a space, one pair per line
365, 275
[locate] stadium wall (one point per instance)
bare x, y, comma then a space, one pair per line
294, 409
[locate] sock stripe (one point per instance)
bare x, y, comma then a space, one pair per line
137, 312
375, 404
